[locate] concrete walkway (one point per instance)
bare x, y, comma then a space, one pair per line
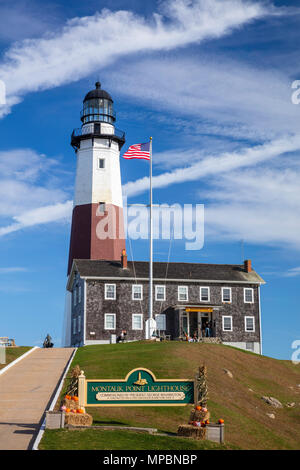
25, 392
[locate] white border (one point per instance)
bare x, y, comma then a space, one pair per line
227, 301
247, 301
105, 327
142, 321
250, 331
227, 316
11, 364
164, 287
105, 292
204, 287
132, 293
39, 436
187, 294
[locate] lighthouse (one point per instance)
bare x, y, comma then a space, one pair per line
97, 231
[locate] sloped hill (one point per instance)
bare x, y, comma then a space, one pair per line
237, 399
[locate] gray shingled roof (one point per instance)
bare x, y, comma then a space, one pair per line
188, 271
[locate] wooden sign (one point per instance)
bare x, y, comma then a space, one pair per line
139, 388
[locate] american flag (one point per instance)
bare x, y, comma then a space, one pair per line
141, 151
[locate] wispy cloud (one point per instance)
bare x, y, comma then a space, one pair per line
86, 44
24, 196
12, 270
293, 272
215, 165
211, 95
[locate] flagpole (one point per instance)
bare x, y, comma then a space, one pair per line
151, 245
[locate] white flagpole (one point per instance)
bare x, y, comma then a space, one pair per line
151, 245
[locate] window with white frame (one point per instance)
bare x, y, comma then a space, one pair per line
110, 321
74, 326
160, 293
137, 321
204, 294
249, 324
101, 163
110, 291
226, 294
227, 323
79, 294
75, 296
160, 322
248, 295
137, 292
183, 293
250, 346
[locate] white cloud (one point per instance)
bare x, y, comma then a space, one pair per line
293, 272
24, 197
42, 215
211, 95
86, 44
213, 165
12, 270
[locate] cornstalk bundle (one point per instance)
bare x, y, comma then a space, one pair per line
201, 386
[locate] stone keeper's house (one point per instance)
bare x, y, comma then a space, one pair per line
109, 296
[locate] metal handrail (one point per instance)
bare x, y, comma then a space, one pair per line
117, 133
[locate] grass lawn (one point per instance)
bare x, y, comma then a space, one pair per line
89, 439
14, 353
237, 400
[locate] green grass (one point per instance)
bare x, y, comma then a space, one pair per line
14, 353
89, 439
247, 425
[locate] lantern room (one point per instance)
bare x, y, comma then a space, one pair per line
98, 106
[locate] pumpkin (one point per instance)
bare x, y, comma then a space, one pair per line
68, 410
221, 421
198, 407
207, 421
67, 397
72, 398
73, 411
75, 398
80, 411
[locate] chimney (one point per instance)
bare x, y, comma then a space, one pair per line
124, 259
247, 265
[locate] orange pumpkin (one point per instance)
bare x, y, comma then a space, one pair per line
207, 421
75, 398
198, 407
68, 410
80, 411
67, 397
221, 421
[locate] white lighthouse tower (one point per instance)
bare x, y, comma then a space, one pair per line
97, 221
98, 190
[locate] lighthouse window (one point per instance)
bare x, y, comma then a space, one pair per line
137, 292
101, 208
101, 163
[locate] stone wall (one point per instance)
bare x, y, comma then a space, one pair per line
124, 307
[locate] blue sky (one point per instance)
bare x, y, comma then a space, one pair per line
210, 80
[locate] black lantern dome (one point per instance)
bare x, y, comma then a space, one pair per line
98, 106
